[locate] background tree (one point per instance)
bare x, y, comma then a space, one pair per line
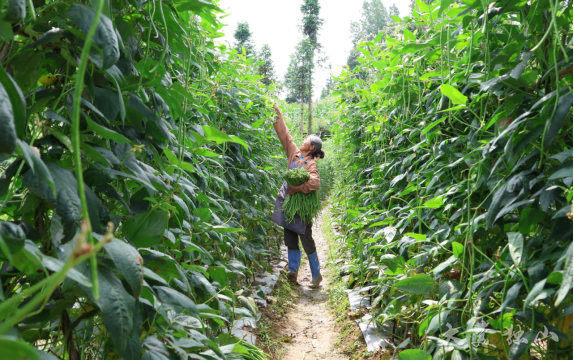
394, 10
267, 69
328, 88
374, 18
299, 75
243, 38
310, 26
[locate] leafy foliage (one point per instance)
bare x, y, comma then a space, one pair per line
137, 182
454, 178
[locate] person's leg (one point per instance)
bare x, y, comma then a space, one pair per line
311, 251
293, 253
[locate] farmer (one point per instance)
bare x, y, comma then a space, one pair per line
303, 156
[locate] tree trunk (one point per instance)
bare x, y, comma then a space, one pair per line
310, 124
302, 102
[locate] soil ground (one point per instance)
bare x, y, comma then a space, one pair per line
309, 328
308, 324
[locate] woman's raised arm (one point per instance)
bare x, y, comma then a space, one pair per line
283, 134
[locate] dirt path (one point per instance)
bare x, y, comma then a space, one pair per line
309, 323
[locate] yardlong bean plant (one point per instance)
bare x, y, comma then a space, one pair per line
136, 182
454, 184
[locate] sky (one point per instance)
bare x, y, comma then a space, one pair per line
276, 23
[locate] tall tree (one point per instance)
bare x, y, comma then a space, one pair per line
243, 38
328, 88
310, 25
394, 10
296, 77
374, 18
267, 69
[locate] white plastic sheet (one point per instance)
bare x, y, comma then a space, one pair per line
375, 339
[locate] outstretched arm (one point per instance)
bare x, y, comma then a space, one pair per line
283, 133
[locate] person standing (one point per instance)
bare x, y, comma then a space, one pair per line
303, 156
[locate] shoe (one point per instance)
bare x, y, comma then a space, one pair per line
292, 277
315, 283
294, 257
315, 270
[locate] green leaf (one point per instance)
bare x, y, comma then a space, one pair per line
258, 123
516, 247
239, 141
448, 289
418, 237
204, 152
8, 137
155, 349
564, 107
511, 296
565, 170
136, 103
172, 297
35, 162
145, 228
220, 137
6, 32
105, 36
46, 356
453, 94
27, 67
457, 249
93, 154
529, 217
409, 35
566, 278
413, 354
418, 284
444, 4
128, 262
28, 259
437, 321
56, 265
444, 265
117, 307
536, 290
429, 127
171, 158
17, 101
16, 349
106, 133
218, 274
225, 229
108, 103
555, 277
66, 202
434, 203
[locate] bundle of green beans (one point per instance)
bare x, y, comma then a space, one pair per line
306, 205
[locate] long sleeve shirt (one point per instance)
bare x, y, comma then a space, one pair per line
293, 154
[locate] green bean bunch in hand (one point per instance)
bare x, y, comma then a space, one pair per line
306, 205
